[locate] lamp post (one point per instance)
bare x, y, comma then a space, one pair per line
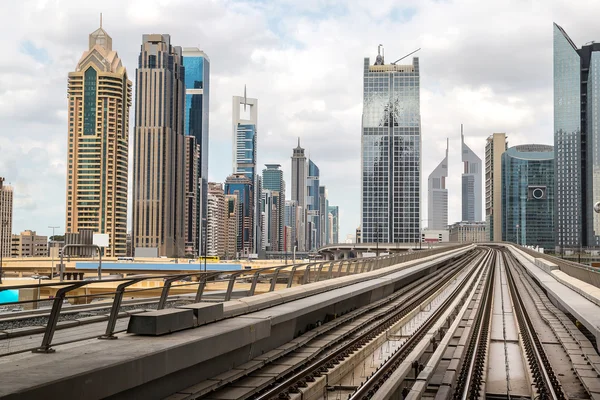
51, 253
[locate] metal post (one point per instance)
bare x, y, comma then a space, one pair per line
116, 305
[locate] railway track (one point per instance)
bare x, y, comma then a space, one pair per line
345, 335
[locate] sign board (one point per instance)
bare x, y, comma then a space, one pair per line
101, 239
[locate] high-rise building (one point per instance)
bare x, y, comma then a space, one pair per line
29, 244
496, 144
324, 216
99, 97
197, 96
272, 179
6, 218
292, 220
232, 223
216, 227
159, 149
391, 152
437, 204
271, 221
528, 195
468, 232
576, 141
313, 219
335, 234
192, 198
471, 183
299, 174
241, 186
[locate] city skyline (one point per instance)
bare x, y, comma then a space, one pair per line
496, 97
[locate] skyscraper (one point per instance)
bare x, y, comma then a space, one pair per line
231, 225
576, 141
197, 96
391, 152
496, 144
241, 186
299, 172
324, 216
159, 149
99, 93
272, 179
216, 223
471, 183
528, 195
312, 207
192, 197
6, 219
335, 212
437, 204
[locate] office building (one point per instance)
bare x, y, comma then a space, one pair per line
272, 179
299, 192
391, 152
197, 96
216, 227
528, 195
192, 196
324, 216
437, 202
99, 97
232, 224
496, 144
294, 219
29, 244
471, 183
159, 149
241, 186
468, 232
271, 221
576, 141
6, 218
335, 228
313, 220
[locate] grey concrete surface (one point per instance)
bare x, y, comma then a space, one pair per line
161, 322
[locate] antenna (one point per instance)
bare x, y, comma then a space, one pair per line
245, 98
100, 20
400, 59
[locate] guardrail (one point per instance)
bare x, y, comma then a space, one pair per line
284, 275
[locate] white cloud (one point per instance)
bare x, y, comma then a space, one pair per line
487, 65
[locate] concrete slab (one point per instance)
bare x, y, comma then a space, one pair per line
205, 312
27, 330
161, 322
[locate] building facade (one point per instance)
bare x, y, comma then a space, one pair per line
299, 175
272, 179
6, 218
241, 186
216, 228
528, 195
335, 225
324, 216
391, 152
496, 144
468, 232
192, 196
471, 182
197, 96
313, 219
99, 97
576, 141
232, 224
437, 202
29, 244
159, 148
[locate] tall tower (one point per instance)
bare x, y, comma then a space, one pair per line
495, 146
437, 204
391, 152
197, 96
471, 182
299, 173
159, 149
241, 186
216, 222
576, 141
272, 179
6, 219
313, 220
99, 94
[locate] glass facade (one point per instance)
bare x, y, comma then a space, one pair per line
593, 150
528, 196
391, 152
246, 150
312, 206
89, 102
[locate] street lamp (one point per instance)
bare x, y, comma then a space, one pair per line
51, 253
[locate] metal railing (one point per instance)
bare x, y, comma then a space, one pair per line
270, 277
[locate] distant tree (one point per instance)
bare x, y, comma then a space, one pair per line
57, 238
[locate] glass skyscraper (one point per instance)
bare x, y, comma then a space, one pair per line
272, 180
391, 152
528, 195
576, 141
437, 204
197, 95
471, 183
312, 206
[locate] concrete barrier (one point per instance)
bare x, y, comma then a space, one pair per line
205, 312
156, 323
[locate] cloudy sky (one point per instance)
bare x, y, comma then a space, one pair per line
486, 64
